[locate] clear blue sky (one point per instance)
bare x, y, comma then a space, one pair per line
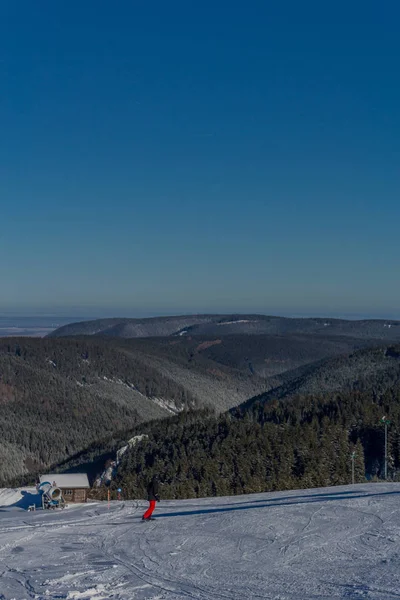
167, 157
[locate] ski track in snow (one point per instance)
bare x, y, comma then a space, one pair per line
341, 542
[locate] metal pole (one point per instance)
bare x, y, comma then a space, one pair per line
386, 450
352, 467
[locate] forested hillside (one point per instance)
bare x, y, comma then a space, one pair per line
301, 441
85, 361
60, 397
372, 368
44, 420
262, 355
305, 443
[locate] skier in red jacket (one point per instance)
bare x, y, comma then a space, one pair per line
152, 497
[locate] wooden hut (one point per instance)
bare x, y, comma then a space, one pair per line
74, 486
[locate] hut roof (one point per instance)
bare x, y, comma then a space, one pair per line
66, 480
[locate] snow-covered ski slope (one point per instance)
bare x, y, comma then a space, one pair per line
341, 542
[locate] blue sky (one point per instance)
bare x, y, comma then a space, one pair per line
160, 158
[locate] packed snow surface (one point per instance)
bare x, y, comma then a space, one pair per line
341, 542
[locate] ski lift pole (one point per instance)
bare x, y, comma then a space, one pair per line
353, 454
385, 450
386, 422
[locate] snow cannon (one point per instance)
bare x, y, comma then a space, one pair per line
51, 491
51, 495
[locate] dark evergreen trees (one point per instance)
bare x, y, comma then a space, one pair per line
305, 442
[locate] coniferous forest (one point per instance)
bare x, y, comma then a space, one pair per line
71, 404
302, 443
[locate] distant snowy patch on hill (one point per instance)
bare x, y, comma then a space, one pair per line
237, 321
131, 443
110, 471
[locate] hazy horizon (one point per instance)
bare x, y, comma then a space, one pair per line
117, 313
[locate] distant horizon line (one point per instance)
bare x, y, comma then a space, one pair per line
154, 315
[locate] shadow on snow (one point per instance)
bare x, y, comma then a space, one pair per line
292, 500
26, 500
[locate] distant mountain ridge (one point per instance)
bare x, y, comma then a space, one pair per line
234, 324
376, 369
